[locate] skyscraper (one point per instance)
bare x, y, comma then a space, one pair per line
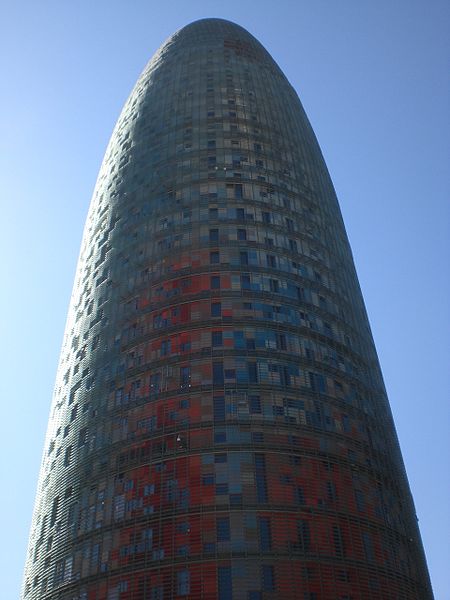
219, 428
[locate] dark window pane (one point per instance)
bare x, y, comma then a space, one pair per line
215, 282
268, 578
216, 338
265, 534
224, 583
223, 529
218, 373
216, 309
219, 408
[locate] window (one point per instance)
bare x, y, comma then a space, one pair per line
224, 583
281, 341
241, 234
252, 372
183, 550
343, 576
289, 224
368, 546
303, 536
223, 529
331, 491
274, 285
243, 258
293, 246
54, 513
268, 578
185, 375
265, 534
266, 217
338, 541
216, 338
359, 499
73, 414
216, 309
260, 472
240, 214
271, 261
82, 437
218, 373
213, 235
213, 214
183, 583
67, 456
245, 281
345, 418
254, 404
215, 282
214, 258
300, 495
219, 408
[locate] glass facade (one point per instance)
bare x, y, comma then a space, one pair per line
219, 427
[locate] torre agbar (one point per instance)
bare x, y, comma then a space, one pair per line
219, 428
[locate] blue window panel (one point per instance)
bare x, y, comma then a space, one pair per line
219, 408
235, 488
230, 373
239, 341
224, 583
265, 534
221, 489
183, 583
220, 437
252, 372
242, 375
216, 309
216, 338
223, 529
245, 282
222, 476
255, 404
215, 282
268, 578
218, 373
260, 472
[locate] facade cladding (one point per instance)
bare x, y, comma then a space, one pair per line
220, 428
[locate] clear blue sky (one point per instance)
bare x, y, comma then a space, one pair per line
373, 79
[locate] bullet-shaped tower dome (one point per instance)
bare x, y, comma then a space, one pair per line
219, 427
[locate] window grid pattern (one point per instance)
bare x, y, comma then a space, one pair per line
219, 428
